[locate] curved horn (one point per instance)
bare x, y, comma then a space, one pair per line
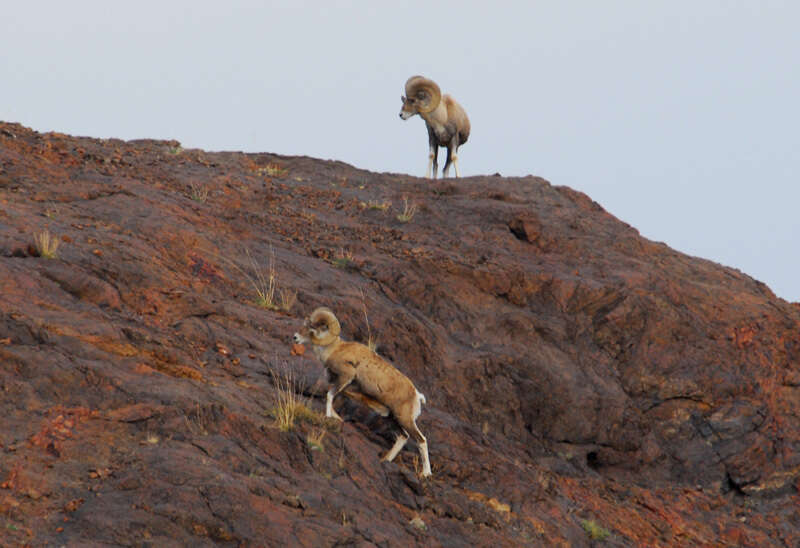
425, 91
324, 314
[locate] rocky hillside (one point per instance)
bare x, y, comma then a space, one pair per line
585, 386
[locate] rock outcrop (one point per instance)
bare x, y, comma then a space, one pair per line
582, 381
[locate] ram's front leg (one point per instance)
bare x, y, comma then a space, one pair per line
433, 162
341, 382
433, 156
329, 411
452, 157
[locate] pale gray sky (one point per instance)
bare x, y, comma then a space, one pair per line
679, 117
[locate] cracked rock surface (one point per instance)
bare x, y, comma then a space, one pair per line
575, 372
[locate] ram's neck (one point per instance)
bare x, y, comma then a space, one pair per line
437, 121
323, 352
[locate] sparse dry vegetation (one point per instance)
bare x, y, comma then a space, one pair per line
273, 169
417, 523
46, 244
409, 210
289, 406
372, 343
343, 258
263, 280
594, 530
198, 192
288, 298
197, 421
314, 439
381, 206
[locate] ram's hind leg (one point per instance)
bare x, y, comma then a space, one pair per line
410, 426
399, 443
452, 157
448, 162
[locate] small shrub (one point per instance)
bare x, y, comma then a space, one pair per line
262, 278
273, 169
314, 439
343, 258
288, 298
594, 530
197, 421
381, 206
198, 192
46, 245
290, 407
408, 211
264, 281
417, 523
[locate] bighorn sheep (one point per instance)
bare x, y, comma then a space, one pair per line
354, 368
447, 122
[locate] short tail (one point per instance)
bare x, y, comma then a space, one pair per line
421, 397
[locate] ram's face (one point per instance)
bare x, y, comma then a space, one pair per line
302, 336
311, 333
409, 108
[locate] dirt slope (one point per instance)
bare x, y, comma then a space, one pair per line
576, 373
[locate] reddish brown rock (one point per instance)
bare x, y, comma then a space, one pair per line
574, 371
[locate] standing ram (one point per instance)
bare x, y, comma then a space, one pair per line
447, 122
353, 367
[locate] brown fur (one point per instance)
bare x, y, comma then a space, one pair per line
354, 367
372, 376
447, 122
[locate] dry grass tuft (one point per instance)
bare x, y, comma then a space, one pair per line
46, 244
417, 523
288, 298
381, 206
372, 343
263, 279
594, 530
314, 439
408, 211
289, 406
198, 192
198, 420
343, 258
273, 169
